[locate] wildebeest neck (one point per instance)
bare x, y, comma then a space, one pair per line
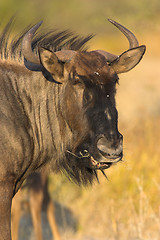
38, 126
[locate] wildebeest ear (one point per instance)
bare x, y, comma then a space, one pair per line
51, 63
128, 60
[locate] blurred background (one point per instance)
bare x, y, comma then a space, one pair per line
127, 207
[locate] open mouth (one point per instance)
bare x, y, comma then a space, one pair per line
105, 163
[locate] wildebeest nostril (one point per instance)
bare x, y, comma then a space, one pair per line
110, 148
103, 144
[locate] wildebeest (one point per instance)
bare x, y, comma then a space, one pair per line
57, 109
39, 197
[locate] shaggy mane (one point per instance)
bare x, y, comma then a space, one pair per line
10, 48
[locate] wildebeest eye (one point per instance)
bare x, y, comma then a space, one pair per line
87, 96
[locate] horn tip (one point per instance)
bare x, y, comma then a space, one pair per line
110, 20
113, 22
35, 27
38, 25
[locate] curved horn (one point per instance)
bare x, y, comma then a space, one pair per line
26, 45
133, 42
32, 61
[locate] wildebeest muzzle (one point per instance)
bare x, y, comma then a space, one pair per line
103, 153
110, 150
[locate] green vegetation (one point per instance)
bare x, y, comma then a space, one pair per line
83, 15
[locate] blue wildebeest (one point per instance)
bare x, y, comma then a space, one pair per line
57, 109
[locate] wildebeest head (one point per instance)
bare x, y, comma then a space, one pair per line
88, 83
